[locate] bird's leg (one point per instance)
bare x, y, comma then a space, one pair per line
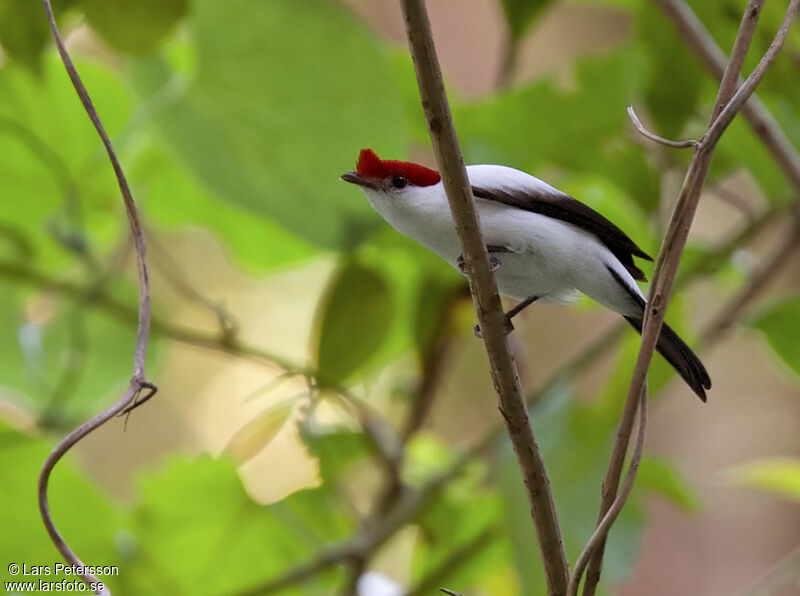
520, 307
494, 264
511, 314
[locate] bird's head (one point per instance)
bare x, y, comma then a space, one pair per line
388, 176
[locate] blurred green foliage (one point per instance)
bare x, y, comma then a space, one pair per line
239, 117
780, 323
779, 475
357, 303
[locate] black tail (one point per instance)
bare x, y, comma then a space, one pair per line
681, 357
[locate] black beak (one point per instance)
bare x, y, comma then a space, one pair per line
354, 178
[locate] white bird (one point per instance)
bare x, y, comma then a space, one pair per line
544, 244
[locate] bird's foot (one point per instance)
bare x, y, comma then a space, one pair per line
494, 264
509, 327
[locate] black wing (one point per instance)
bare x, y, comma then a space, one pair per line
563, 207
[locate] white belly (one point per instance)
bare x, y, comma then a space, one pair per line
548, 258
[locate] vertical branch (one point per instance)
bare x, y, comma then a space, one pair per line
138, 381
672, 249
484, 292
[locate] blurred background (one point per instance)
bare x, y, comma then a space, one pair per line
318, 375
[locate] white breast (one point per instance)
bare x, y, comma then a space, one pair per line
549, 258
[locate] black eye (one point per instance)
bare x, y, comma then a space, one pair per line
399, 181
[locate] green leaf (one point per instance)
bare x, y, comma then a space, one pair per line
740, 147
584, 129
57, 187
59, 358
659, 475
176, 200
135, 26
675, 78
270, 124
779, 324
521, 14
780, 475
408, 269
336, 452
615, 3
426, 456
24, 32
258, 432
353, 319
196, 514
86, 516
464, 519
436, 299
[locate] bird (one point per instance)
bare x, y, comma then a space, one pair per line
543, 244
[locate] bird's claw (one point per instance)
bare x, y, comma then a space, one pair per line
509, 327
494, 264
460, 264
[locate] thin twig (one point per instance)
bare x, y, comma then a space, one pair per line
654, 137
484, 291
138, 380
669, 258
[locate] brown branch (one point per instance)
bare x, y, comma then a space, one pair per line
484, 292
669, 258
138, 381
654, 137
